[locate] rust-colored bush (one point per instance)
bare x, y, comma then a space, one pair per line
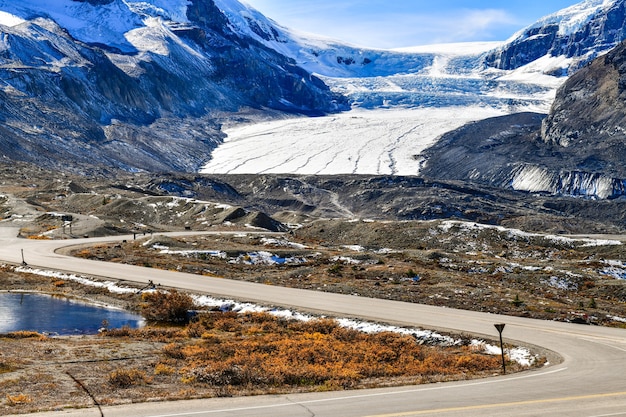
315, 353
24, 334
164, 369
13, 400
171, 306
124, 378
174, 351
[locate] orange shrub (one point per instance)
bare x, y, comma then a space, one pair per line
241, 350
19, 399
124, 378
164, 306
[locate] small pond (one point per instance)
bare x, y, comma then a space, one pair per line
58, 315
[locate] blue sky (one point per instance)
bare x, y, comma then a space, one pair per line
402, 23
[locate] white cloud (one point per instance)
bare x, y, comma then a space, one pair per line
473, 24
401, 30
370, 24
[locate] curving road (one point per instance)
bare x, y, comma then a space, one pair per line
587, 377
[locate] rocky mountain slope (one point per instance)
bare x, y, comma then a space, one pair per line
578, 149
38, 200
570, 37
134, 85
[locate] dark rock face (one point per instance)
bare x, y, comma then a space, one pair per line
589, 113
71, 105
394, 198
486, 152
588, 117
604, 30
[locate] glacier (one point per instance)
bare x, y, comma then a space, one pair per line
404, 100
361, 141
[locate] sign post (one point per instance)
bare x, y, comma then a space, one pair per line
500, 328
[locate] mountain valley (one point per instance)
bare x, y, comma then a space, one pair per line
435, 133
487, 177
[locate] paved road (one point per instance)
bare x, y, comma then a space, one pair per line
587, 377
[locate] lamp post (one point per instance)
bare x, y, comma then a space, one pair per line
500, 328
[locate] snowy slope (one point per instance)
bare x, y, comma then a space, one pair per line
575, 34
573, 18
105, 24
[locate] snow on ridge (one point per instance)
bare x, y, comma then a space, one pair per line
10, 20
174, 10
446, 225
240, 15
569, 19
105, 24
574, 17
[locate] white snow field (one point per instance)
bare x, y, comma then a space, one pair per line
378, 142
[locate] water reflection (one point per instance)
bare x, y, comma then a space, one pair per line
45, 314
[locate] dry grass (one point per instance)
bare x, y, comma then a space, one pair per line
220, 354
256, 350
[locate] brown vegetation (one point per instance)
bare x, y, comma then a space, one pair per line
166, 306
256, 351
218, 354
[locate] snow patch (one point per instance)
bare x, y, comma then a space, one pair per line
447, 225
10, 20
111, 286
282, 243
615, 269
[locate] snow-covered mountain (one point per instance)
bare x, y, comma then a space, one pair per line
569, 38
519, 74
134, 85
432, 76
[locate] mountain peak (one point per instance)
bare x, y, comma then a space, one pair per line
578, 33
